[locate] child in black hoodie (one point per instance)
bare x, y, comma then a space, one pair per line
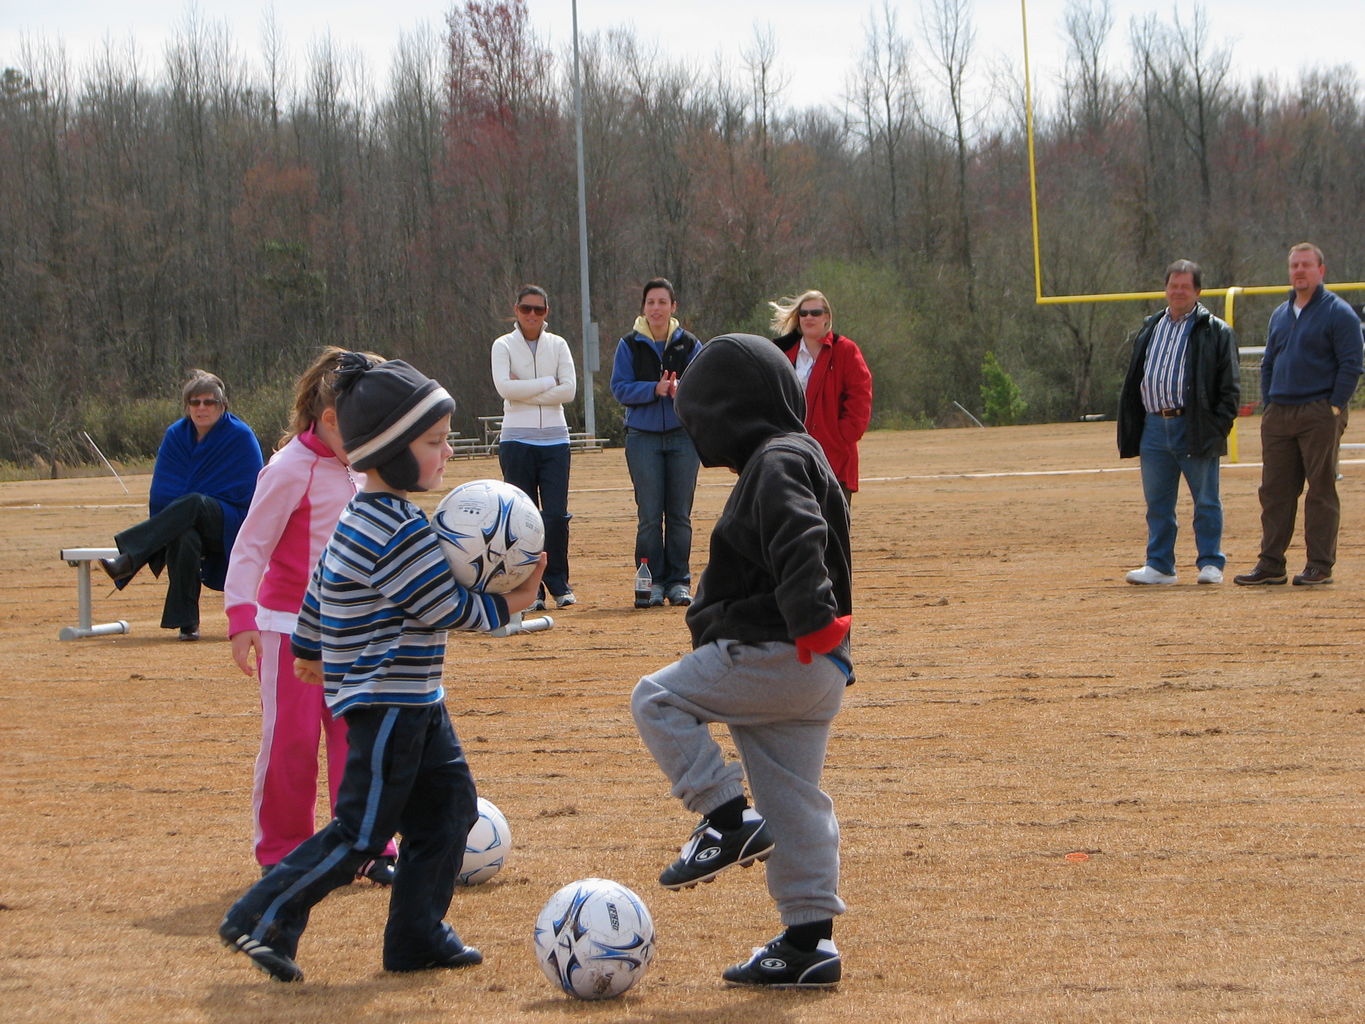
770, 659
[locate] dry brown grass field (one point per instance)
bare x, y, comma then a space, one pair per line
1016, 702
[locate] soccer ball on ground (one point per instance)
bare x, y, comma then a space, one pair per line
594, 938
489, 842
491, 533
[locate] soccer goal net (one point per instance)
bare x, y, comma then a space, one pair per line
1249, 363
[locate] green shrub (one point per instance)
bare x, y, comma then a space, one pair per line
132, 428
128, 428
1000, 396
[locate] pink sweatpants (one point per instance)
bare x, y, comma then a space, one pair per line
294, 718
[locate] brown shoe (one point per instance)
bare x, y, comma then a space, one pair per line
1312, 577
1258, 577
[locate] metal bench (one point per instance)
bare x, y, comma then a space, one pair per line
81, 558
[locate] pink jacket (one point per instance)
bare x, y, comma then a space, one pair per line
300, 495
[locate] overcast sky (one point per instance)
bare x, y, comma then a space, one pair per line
817, 40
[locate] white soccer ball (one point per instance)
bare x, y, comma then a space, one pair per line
489, 842
594, 939
491, 533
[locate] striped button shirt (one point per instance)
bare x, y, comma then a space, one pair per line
379, 604
1163, 376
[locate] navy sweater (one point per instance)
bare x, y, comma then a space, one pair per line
1315, 356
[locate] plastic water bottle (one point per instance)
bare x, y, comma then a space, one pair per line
644, 582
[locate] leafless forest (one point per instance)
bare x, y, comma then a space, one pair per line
209, 206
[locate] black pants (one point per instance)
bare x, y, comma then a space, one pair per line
542, 471
177, 538
405, 772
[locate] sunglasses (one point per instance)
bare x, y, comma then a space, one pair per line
530, 310
197, 402
811, 312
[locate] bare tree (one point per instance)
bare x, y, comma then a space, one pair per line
950, 36
884, 107
275, 58
1091, 100
766, 84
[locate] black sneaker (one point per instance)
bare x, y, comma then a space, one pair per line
271, 961
379, 871
709, 851
779, 964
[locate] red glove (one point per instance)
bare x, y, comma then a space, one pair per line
822, 641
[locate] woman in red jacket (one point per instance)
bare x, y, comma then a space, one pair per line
836, 380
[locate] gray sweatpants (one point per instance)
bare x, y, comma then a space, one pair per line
779, 713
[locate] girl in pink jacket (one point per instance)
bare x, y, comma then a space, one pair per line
300, 494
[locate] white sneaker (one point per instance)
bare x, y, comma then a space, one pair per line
1149, 575
1210, 574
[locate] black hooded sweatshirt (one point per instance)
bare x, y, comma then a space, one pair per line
779, 566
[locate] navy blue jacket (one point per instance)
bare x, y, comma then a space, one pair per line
1315, 356
639, 364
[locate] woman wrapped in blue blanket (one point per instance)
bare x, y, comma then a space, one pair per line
202, 485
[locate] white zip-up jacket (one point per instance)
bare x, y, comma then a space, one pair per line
534, 388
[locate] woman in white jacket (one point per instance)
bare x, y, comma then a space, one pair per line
534, 373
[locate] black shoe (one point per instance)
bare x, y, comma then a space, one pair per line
274, 963
468, 956
710, 851
1258, 577
189, 633
379, 871
779, 964
120, 569
1311, 577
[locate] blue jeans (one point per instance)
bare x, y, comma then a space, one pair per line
663, 468
1162, 453
542, 471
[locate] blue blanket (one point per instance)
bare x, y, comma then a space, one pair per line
223, 465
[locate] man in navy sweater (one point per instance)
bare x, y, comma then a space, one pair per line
1311, 366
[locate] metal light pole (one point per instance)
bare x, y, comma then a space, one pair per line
590, 347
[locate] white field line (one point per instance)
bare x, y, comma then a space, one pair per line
867, 480
1060, 472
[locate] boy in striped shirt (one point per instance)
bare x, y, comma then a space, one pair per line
372, 630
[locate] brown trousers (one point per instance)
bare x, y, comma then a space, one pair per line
1300, 444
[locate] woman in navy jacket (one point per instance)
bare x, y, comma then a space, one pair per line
662, 461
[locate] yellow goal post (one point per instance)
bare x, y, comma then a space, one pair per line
1229, 294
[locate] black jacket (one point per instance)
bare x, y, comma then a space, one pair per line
779, 566
1212, 389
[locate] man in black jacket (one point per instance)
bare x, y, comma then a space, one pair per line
1178, 403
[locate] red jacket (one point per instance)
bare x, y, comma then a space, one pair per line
838, 401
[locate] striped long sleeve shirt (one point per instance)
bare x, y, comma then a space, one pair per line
1163, 376
379, 604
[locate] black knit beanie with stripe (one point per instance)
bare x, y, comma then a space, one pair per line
381, 409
